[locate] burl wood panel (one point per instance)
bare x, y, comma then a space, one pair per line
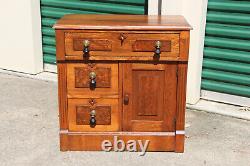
103, 115
103, 77
149, 45
95, 44
103, 107
100, 44
135, 46
106, 80
169, 48
152, 97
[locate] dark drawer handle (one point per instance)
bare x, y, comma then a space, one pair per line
86, 44
126, 99
157, 48
92, 121
92, 77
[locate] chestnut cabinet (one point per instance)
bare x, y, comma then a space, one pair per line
122, 78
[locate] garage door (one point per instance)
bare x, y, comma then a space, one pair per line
51, 10
226, 64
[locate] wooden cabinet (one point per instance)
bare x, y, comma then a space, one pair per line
122, 75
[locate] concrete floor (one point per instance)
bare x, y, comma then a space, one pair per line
29, 133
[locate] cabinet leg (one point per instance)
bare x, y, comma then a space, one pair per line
63, 142
179, 143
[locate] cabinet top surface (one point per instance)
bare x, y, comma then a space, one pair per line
122, 22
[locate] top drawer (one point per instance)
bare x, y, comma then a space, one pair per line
121, 45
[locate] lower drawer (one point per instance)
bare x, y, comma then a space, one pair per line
103, 112
105, 78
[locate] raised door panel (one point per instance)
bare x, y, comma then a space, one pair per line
149, 94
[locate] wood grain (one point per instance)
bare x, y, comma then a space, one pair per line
106, 80
103, 115
99, 43
148, 94
103, 77
92, 142
95, 44
136, 96
173, 57
60, 45
170, 44
64, 142
184, 44
181, 91
122, 22
62, 95
150, 89
181, 105
74, 104
135, 46
149, 45
120, 91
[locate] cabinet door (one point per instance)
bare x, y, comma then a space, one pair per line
149, 97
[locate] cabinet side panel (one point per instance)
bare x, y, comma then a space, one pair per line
181, 96
181, 107
62, 95
181, 92
60, 46
184, 44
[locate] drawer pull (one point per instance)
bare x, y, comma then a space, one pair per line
92, 77
86, 47
92, 121
157, 48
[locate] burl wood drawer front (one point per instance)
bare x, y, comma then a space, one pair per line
106, 114
145, 44
105, 80
121, 45
100, 44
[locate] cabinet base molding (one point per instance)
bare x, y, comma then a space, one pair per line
92, 141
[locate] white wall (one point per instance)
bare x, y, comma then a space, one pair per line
20, 36
153, 7
195, 12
